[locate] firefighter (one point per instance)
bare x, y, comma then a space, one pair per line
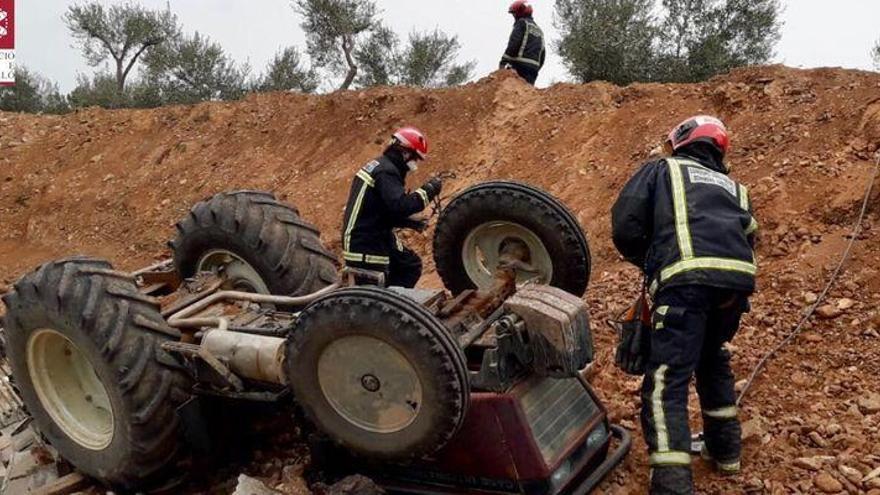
378, 204
525, 50
690, 228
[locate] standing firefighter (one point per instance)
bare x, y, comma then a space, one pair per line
378, 204
690, 227
525, 51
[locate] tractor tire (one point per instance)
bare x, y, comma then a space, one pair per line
378, 374
84, 348
264, 244
487, 214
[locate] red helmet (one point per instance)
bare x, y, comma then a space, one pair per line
520, 8
702, 128
411, 139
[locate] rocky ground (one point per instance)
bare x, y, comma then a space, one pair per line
112, 184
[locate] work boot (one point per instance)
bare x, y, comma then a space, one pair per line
723, 444
672, 480
726, 467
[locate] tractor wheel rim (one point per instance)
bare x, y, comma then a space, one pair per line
370, 384
481, 253
69, 389
239, 273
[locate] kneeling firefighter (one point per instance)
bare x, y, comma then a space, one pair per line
690, 228
378, 203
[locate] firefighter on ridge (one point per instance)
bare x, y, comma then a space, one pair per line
378, 204
525, 50
690, 228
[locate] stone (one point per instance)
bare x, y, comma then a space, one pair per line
817, 439
828, 312
827, 483
845, 304
808, 463
869, 404
852, 474
810, 297
351, 485
252, 486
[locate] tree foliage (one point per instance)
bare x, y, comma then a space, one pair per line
123, 32
32, 93
687, 41
334, 30
609, 40
427, 60
875, 54
193, 68
287, 72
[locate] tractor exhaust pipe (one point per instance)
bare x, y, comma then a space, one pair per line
249, 356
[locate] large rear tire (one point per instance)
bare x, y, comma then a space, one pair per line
378, 374
263, 245
477, 223
85, 351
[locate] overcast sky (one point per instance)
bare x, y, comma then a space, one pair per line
816, 32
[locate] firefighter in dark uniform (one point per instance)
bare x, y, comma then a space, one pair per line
690, 228
378, 203
525, 50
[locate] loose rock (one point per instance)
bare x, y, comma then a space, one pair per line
827, 483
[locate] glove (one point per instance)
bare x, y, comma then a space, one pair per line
634, 346
433, 187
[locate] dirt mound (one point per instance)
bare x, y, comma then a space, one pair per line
112, 184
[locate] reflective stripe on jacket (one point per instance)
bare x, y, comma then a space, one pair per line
687, 223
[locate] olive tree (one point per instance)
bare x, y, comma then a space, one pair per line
286, 71
426, 60
334, 30
122, 32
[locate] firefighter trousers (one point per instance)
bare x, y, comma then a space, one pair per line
404, 268
690, 326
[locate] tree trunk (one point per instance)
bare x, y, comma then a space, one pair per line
120, 77
348, 48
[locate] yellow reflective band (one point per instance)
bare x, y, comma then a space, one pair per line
670, 458
657, 409
679, 201
659, 326
728, 467
662, 310
722, 413
367, 178
366, 258
752, 228
522, 60
724, 264
743, 197
355, 211
422, 194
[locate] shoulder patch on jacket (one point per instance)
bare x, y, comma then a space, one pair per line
699, 175
370, 167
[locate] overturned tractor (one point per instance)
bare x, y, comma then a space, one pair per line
479, 387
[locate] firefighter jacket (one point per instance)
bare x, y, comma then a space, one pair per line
685, 222
377, 204
526, 45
